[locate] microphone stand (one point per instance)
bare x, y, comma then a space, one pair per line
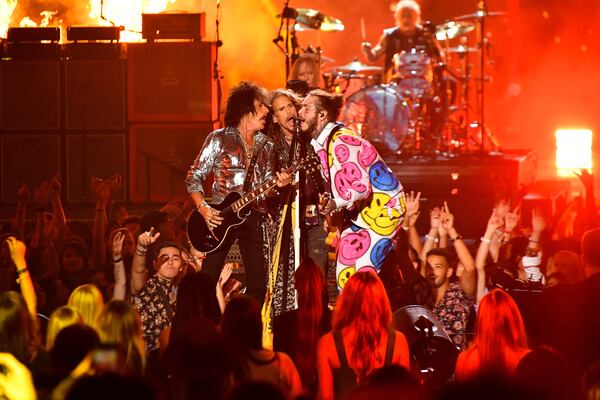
216, 72
298, 152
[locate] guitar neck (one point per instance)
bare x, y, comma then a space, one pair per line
249, 197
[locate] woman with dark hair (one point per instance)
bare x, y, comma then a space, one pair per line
500, 339
363, 338
241, 326
297, 332
18, 333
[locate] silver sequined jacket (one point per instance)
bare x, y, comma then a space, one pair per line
227, 156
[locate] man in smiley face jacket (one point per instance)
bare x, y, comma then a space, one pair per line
359, 182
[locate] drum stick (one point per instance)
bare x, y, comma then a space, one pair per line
362, 30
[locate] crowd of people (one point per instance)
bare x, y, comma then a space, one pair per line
127, 307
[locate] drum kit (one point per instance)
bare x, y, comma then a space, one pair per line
421, 106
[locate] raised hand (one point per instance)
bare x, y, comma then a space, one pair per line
503, 208
586, 178
225, 274
15, 380
446, 218
494, 222
17, 249
117, 245
538, 221
101, 188
41, 195
434, 218
147, 238
54, 186
511, 220
115, 182
412, 207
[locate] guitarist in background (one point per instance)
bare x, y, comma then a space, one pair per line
360, 185
240, 158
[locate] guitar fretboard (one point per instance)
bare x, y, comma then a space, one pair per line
265, 187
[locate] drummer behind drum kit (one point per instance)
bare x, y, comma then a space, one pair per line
424, 109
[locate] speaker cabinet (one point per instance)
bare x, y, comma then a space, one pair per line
99, 155
159, 158
27, 158
30, 95
95, 94
171, 82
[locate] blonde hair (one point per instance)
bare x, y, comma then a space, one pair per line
61, 318
87, 299
120, 323
412, 4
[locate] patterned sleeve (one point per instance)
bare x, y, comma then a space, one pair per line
350, 158
202, 165
270, 154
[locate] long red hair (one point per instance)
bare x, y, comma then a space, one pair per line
364, 308
500, 329
309, 286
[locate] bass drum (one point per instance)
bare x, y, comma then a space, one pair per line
380, 114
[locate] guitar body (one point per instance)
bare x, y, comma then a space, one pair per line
208, 241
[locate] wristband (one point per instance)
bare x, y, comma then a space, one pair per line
485, 240
533, 241
458, 237
118, 260
203, 203
429, 237
22, 271
406, 228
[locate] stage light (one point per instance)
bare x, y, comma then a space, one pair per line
573, 151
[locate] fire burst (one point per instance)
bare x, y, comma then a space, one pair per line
127, 14
6, 10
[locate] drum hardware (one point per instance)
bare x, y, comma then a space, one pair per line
461, 49
453, 29
294, 20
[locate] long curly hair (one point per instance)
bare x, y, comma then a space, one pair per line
240, 102
364, 308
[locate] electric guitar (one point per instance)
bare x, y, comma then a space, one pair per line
234, 211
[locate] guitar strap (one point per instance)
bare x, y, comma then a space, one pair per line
250, 170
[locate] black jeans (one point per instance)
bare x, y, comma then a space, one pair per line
250, 241
317, 249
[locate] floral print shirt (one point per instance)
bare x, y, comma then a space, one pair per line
155, 309
453, 312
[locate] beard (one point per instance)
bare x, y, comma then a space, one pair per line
309, 126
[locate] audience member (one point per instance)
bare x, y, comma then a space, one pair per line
362, 340
61, 318
500, 340
242, 329
297, 332
88, 301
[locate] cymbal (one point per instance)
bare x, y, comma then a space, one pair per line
357, 67
481, 14
310, 19
461, 49
452, 29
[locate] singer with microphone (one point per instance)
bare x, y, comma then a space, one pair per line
284, 130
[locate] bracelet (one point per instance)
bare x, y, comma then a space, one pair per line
203, 203
429, 237
118, 260
406, 228
533, 241
22, 271
485, 240
458, 237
